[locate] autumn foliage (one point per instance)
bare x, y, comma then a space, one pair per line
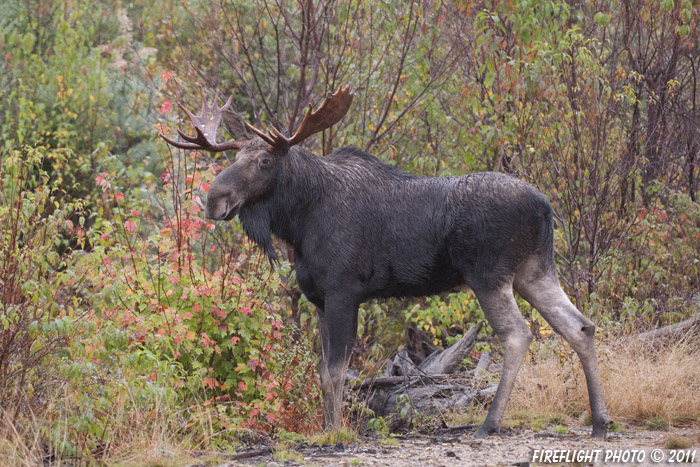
124, 311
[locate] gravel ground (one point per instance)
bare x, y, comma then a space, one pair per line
512, 447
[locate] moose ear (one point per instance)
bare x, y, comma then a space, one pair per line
236, 126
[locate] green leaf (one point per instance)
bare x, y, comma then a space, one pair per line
489, 78
601, 18
28, 43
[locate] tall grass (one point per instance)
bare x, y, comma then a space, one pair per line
158, 436
642, 382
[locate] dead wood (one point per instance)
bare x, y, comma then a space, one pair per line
432, 387
446, 362
418, 344
482, 366
673, 331
247, 454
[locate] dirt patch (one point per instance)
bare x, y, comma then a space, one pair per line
515, 446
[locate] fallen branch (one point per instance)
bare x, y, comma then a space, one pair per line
447, 361
247, 454
668, 332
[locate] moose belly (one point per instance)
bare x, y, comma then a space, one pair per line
415, 278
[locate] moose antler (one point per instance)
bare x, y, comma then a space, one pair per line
334, 107
206, 125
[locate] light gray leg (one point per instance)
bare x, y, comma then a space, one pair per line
338, 328
505, 318
545, 294
332, 386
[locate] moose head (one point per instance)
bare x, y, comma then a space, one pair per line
256, 165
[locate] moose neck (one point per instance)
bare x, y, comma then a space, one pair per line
300, 186
283, 211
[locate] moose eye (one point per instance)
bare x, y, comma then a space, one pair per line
265, 162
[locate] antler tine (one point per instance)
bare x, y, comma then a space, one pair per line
269, 138
179, 144
189, 114
228, 103
199, 139
203, 97
206, 126
334, 108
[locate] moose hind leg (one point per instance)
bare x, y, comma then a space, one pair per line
504, 316
544, 293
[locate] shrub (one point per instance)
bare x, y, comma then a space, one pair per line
207, 299
41, 292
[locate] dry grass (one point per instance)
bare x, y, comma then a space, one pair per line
141, 438
148, 448
675, 441
20, 448
642, 384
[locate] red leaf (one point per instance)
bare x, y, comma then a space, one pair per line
166, 107
217, 312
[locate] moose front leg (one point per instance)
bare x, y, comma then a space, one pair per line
338, 324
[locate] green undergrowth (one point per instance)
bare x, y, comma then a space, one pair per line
343, 435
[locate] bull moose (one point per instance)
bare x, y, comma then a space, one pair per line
362, 229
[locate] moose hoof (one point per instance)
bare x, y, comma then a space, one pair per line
484, 431
600, 429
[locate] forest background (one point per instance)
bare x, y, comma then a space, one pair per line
127, 319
